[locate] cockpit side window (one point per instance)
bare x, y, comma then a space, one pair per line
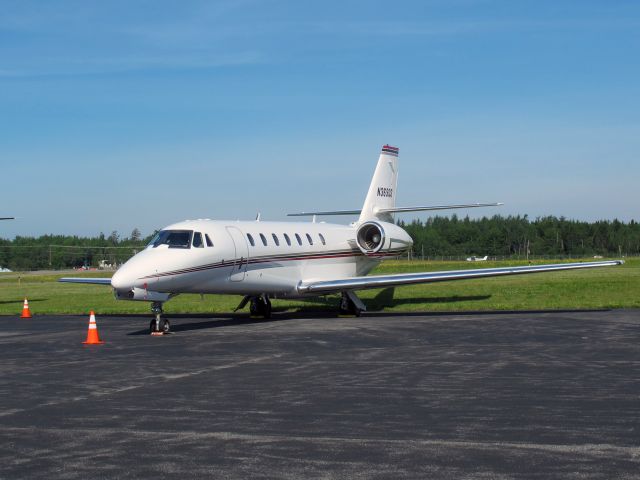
173, 238
197, 240
209, 242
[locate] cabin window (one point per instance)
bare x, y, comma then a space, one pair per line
322, 239
275, 239
287, 239
208, 240
197, 240
173, 238
298, 239
309, 239
264, 239
250, 238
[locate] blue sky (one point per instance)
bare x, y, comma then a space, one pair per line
124, 114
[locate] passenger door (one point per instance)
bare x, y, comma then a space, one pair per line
241, 259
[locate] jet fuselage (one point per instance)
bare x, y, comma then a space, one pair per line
209, 256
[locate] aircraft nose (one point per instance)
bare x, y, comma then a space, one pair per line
133, 273
123, 279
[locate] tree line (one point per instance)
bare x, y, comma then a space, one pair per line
512, 236
70, 251
515, 236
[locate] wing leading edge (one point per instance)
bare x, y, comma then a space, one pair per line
382, 281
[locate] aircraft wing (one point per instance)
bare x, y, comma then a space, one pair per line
383, 281
94, 280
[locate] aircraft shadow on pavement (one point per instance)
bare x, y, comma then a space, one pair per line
216, 321
385, 299
220, 321
313, 309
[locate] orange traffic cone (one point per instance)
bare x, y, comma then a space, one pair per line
92, 333
26, 313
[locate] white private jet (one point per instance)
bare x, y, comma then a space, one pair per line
265, 260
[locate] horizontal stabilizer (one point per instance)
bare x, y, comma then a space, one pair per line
336, 212
94, 280
397, 209
436, 207
383, 281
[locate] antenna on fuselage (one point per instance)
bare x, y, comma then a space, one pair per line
314, 219
258, 217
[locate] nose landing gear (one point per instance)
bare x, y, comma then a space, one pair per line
159, 325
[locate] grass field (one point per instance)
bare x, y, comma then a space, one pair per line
609, 287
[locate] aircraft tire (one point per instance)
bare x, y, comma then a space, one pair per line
254, 307
165, 326
347, 307
260, 307
266, 308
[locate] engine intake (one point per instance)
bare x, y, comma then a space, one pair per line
370, 237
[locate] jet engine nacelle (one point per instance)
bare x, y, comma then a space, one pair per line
140, 294
381, 237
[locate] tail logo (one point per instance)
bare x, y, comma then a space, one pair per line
385, 192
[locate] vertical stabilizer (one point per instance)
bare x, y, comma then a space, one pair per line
382, 191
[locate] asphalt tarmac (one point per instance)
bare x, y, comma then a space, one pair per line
517, 395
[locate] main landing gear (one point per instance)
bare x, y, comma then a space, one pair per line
159, 325
350, 304
260, 306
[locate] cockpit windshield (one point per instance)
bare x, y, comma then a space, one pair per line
173, 238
